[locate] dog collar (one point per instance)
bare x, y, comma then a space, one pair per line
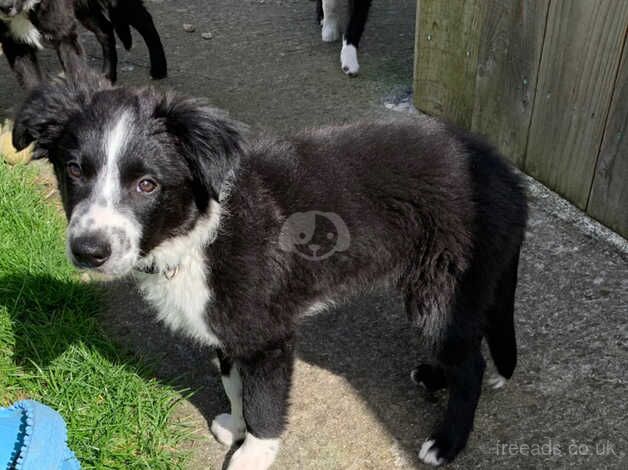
152, 269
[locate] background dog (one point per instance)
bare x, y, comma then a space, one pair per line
330, 13
26, 25
221, 232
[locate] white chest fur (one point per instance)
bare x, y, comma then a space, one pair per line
183, 301
22, 30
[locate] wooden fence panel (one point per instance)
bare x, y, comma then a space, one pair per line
447, 42
609, 195
508, 61
582, 50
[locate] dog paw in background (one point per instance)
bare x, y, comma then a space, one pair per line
349, 59
330, 14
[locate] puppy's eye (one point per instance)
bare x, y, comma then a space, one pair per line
74, 170
146, 185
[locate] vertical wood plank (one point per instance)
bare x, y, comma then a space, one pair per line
508, 61
580, 57
446, 53
609, 194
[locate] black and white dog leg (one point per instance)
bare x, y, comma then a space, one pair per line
357, 21
266, 380
331, 21
229, 428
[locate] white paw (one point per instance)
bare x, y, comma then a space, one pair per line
497, 381
349, 59
428, 454
254, 454
227, 430
330, 31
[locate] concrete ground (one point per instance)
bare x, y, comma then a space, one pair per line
354, 406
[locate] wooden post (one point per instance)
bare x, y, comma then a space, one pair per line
446, 55
508, 62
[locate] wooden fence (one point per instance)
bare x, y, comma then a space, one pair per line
546, 81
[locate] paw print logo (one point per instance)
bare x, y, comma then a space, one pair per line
314, 235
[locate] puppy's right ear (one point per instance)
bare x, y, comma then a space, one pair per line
46, 111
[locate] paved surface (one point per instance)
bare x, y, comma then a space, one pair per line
353, 404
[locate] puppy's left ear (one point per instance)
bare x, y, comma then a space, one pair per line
46, 111
211, 143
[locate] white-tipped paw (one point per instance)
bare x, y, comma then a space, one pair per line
254, 454
497, 381
349, 59
330, 32
429, 453
227, 430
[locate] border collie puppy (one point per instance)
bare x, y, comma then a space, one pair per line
329, 13
26, 25
232, 239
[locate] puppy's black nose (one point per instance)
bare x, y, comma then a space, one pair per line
90, 251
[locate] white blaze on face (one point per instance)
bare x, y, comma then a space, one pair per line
102, 213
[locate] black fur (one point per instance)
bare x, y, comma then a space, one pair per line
358, 14
431, 211
56, 21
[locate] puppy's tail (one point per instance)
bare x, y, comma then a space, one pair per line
500, 331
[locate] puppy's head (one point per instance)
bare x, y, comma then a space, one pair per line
135, 167
10, 8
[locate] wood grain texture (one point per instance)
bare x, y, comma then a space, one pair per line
609, 194
582, 50
447, 43
508, 61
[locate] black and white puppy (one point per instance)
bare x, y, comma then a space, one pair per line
232, 239
329, 13
26, 25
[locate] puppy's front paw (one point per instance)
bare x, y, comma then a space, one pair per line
254, 454
227, 430
349, 59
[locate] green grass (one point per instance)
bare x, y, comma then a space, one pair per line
53, 350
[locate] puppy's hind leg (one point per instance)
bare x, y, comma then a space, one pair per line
23, 60
500, 325
331, 20
229, 428
266, 381
429, 376
103, 30
461, 360
142, 21
71, 53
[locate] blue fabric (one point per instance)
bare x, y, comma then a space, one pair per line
34, 437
